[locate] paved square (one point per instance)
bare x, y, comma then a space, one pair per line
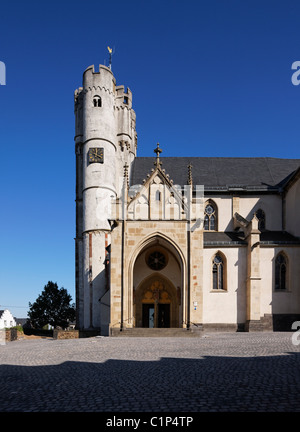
217, 372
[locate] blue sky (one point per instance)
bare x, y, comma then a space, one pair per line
209, 78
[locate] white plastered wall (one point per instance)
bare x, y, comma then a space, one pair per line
279, 302
270, 204
227, 307
224, 208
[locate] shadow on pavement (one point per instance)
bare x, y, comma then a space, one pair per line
217, 383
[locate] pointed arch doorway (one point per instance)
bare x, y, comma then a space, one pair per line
157, 286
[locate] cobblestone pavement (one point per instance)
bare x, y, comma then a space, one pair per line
216, 372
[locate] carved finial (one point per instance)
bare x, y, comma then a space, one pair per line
190, 177
157, 163
126, 179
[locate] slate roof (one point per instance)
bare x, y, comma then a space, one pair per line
227, 238
278, 237
231, 238
263, 173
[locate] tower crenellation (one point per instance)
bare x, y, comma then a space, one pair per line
103, 78
123, 98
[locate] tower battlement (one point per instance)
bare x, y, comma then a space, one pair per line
104, 78
123, 98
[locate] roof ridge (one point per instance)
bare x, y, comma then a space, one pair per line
266, 160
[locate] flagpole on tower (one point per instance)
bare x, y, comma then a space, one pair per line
111, 52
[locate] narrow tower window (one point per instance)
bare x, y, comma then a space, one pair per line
97, 101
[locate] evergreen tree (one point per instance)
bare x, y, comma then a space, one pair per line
52, 307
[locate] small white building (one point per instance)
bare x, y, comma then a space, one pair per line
6, 319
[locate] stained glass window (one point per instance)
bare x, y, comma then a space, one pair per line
210, 218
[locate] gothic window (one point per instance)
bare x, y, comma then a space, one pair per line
281, 272
97, 101
218, 272
157, 195
260, 214
210, 216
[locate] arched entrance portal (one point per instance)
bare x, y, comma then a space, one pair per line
157, 303
157, 286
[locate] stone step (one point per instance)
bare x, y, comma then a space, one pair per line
155, 332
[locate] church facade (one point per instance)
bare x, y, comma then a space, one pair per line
192, 243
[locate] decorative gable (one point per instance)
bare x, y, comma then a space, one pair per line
157, 199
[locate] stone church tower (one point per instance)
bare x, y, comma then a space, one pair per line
105, 141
